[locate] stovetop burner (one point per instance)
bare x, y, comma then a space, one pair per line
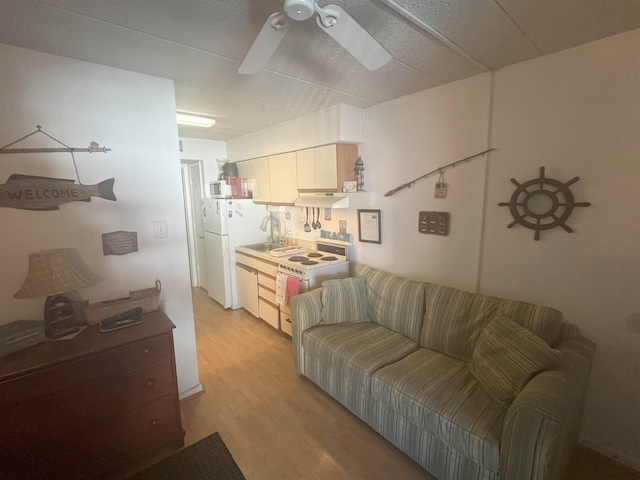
309, 262
329, 259
314, 255
297, 258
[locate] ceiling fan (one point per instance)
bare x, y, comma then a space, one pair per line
332, 19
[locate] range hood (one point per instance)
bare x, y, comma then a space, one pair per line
333, 200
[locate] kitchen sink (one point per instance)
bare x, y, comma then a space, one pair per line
262, 247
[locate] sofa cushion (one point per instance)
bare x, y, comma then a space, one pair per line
344, 300
506, 356
438, 393
453, 319
545, 322
393, 301
356, 350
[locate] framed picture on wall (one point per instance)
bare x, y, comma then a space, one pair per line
369, 226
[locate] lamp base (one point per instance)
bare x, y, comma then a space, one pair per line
59, 316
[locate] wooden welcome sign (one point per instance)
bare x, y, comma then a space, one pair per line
30, 192
45, 193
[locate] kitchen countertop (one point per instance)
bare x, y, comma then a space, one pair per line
261, 255
310, 246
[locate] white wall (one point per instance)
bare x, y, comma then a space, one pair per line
207, 151
405, 139
134, 115
577, 113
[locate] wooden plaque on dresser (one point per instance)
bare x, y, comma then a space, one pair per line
84, 408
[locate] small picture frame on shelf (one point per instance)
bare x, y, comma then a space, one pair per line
349, 186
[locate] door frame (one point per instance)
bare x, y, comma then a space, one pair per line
191, 211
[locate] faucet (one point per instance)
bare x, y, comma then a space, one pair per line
276, 236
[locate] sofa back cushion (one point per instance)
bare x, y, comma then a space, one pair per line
453, 319
394, 302
344, 301
545, 322
506, 356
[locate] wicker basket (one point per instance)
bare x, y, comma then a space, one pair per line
147, 299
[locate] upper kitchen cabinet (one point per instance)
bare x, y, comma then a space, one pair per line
283, 178
260, 173
244, 169
323, 169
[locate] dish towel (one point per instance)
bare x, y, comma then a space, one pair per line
293, 287
281, 287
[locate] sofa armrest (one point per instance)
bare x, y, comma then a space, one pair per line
542, 425
306, 312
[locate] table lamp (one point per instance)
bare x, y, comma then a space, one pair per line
51, 274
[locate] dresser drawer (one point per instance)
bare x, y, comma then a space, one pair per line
62, 376
85, 403
84, 452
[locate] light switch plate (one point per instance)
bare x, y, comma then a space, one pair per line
160, 229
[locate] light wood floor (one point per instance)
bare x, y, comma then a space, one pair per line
279, 425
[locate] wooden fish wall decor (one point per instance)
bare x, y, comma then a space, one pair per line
30, 192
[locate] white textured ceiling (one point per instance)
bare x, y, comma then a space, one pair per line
200, 44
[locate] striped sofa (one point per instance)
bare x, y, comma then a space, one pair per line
470, 386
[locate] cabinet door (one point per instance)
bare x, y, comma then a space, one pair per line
260, 172
283, 177
244, 169
326, 168
247, 282
306, 163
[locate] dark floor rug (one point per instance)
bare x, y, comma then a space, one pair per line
207, 459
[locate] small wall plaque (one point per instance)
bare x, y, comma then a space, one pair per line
436, 223
119, 243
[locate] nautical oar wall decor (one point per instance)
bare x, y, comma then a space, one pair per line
31, 192
437, 170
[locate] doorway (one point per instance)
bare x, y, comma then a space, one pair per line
193, 187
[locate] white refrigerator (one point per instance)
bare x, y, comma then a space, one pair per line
227, 224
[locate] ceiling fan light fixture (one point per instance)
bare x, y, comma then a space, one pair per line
195, 120
299, 9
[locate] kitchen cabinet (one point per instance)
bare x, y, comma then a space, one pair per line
266, 268
306, 166
323, 169
247, 283
244, 169
260, 172
283, 178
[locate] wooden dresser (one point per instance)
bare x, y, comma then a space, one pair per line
84, 408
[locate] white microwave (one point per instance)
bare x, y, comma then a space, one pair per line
220, 189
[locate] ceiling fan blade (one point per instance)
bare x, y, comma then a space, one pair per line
265, 44
355, 39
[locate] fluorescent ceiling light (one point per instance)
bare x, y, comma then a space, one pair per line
195, 120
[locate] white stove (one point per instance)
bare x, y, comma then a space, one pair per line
328, 262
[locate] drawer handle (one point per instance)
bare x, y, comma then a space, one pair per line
288, 320
154, 422
146, 350
150, 383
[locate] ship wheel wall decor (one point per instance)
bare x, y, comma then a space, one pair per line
542, 203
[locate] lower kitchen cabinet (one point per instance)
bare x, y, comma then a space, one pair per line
86, 407
247, 283
267, 308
